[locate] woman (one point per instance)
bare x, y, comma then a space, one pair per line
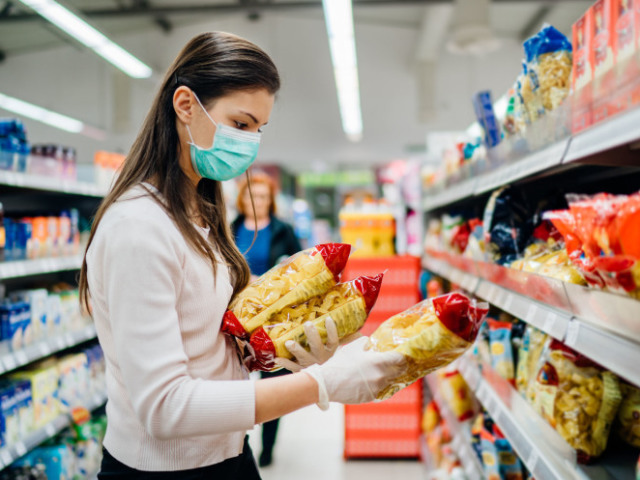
273, 241
161, 268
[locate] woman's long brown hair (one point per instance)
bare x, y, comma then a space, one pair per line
212, 65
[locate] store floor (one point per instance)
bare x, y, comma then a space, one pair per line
310, 444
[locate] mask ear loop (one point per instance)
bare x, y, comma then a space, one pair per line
208, 116
255, 216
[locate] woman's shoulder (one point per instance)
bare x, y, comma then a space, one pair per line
139, 208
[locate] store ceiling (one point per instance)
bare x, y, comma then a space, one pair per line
21, 31
400, 104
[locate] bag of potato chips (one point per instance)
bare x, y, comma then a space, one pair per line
578, 398
430, 335
304, 275
347, 304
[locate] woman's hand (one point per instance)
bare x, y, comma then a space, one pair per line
320, 352
356, 375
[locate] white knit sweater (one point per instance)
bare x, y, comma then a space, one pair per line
178, 396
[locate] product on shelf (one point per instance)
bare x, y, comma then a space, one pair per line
626, 23
603, 239
303, 276
549, 63
629, 415
502, 357
578, 398
430, 417
430, 335
582, 74
14, 147
456, 394
483, 107
369, 228
52, 160
106, 167
603, 58
551, 260
529, 353
347, 304
75, 454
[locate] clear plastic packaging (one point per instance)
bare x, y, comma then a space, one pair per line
430, 335
578, 398
347, 304
304, 275
629, 415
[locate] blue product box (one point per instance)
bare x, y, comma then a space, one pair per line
9, 412
10, 238
483, 108
24, 401
11, 324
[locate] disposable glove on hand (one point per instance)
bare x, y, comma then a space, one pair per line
355, 375
319, 353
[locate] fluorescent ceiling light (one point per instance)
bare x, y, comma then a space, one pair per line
339, 19
43, 115
89, 36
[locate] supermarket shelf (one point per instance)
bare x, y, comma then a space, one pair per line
539, 446
11, 453
619, 130
50, 184
600, 325
44, 348
532, 164
461, 434
25, 268
449, 195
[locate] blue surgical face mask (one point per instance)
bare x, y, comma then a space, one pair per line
231, 153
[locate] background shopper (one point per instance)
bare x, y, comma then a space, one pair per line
274, 241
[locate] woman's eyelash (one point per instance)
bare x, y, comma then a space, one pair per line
241, 125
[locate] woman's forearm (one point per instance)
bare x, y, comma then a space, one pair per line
278, 396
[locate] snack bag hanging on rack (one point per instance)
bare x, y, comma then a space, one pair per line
347, 304
304, 275
578, 398
430, 335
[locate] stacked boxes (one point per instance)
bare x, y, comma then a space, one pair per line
390, 428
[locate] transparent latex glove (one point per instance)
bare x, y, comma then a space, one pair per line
355, 375
319, 353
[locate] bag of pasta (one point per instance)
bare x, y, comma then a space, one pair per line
304, 275
549, 64
347, 304
430, 335
629, 415
578, 398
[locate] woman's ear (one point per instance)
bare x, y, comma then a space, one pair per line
183, 104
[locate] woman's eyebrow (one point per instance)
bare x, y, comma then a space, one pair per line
252, 117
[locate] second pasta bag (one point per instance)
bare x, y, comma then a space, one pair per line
302, 276
578, 398
430, 335
347, 304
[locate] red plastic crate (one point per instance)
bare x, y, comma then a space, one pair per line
385, 429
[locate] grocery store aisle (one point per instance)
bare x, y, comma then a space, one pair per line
310, 444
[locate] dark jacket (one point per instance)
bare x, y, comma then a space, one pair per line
284, 242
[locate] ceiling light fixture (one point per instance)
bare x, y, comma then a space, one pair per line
339, 20
43, 115
79, 29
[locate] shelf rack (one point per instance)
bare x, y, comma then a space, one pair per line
461, 435
603, 326
50, 184
26, 268
620, 130
11, 453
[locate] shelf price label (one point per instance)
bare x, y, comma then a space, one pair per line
50, 430
531, 314
572, 333
9, 362
532, 460
21, 357
21, 449
549, 322
44, 349
6, 457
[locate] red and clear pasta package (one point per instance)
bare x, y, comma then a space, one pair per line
347, 304
302, 276
602, 235
430, 335
578, 398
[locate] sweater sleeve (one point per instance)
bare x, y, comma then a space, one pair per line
142, 274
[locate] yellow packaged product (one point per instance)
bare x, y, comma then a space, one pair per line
304, 275
347, 304
578, 398
430, 335
533, 343
629, 415
457, 395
